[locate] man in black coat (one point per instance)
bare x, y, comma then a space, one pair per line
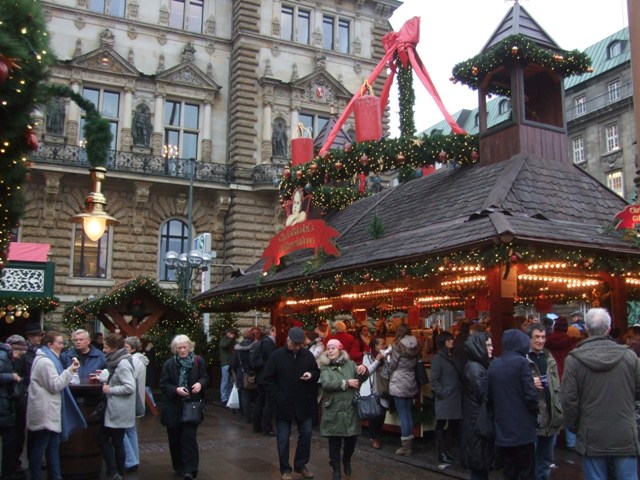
264, 406
291, 379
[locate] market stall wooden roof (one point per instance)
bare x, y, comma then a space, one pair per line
525, 200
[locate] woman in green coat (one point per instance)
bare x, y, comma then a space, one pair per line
340, 379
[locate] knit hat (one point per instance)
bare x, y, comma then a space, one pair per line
334, 342
561, 324
340, 326
17, 342
573, 331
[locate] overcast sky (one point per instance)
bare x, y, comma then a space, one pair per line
452, 31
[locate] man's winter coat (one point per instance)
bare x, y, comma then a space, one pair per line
600, 386
293, 398
339, 415
549, 407
512, 392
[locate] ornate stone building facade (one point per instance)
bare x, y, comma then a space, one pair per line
207, 93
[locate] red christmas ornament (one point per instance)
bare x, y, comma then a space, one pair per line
364, 160
400, 158
474, 71
325, 155
475, 156
32, 140
514, 50
314, 167
299, 174
287, 173
442, 156
338, 278
4, 72
348, 147
338, 165
403, 272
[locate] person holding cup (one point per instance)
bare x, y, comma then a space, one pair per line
547, 381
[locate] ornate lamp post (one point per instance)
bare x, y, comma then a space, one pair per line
95, 219
186, 264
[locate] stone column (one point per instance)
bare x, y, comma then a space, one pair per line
73, 119
158, 122
207, 146
126, 140
266, 131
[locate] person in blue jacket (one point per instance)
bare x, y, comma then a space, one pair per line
90, 358
515, 405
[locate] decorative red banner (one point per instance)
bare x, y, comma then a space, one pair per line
629, 217
314, 234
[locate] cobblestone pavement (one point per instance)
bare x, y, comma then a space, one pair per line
229, 449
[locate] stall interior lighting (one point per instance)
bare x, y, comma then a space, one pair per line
632, 281
571, 282
463, 280
462, 268
432, 299
547, 266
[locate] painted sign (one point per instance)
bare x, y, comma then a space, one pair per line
629, 217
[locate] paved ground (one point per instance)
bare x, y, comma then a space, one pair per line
230, 450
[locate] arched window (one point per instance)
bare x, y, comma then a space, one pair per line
505, 107
615, 48
173, 236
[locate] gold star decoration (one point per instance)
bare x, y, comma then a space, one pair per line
418, 142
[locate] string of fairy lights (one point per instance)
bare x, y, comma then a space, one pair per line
13, 307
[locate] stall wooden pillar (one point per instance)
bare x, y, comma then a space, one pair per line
500, 306
618, 300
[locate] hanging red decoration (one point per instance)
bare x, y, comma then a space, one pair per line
314, 167
364, 160
31, 139
338, 165
4, 72
299, 174
7, 64
442, 156
368, 115
287, 173
362, 183
301, 146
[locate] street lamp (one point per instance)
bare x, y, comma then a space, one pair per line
94, 219
185, 264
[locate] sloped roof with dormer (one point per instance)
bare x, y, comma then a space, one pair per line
525, 199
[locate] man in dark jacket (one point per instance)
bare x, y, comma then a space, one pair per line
264, 407
8, 380
90, 358
227, 342
515, 404
291, 379
600, 385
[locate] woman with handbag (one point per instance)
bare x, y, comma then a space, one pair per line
446, 385
477, 451
403, 386
245, 376
340, 380
120, 414
183, 380
378, 384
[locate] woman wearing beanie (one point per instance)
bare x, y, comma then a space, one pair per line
341, 334
340, 380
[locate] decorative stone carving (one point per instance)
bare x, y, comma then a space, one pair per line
132, 33
266, 151
181, 203
46, 12
267, 69
164, 15
207, 150
275, 49
319, 90
156, 142
79, 22
321, 60
51, 190
275, 27
78, 51
357, 46
210, 70
294, 72
141, 198
130, 57
107, 38
210, 47
72, 129
162, 38
357, 67
83, 4
279, 139
210, 25
188, 52
317, 37
160, 63
125, 139
186, 75
133, 9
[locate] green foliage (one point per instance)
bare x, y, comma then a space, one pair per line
406, 99
24, 46
168, 327
376, 228
217, 329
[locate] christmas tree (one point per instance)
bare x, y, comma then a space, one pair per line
25, 58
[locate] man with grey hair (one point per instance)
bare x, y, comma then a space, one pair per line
600, 385
90, 358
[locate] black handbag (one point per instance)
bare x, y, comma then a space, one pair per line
368, 406
485, 426
97, 416
193, 411
421, 373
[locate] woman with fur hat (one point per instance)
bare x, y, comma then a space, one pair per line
340, 379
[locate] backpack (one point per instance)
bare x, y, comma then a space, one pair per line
256, 360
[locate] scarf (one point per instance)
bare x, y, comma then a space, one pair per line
72, 418
114, 358
185, 364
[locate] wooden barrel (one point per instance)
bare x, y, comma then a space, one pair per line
80, 455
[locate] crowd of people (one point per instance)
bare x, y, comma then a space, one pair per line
556, 380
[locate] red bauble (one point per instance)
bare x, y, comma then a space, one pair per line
400, 158
338, 165
32, 140
314, 167
475, 156
364, 160
4, 72
348, 147
442, 156
287, 173
299, 174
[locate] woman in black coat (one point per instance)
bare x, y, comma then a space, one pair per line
477, 453
184, 378
446, 384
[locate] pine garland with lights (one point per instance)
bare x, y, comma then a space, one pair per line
582, 260
217, 330
75, 315
406, 99
25, 58
519, 49
12, 307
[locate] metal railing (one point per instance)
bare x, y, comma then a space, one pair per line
594, 104
159, 166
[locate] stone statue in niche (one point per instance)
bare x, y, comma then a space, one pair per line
55, 116
141, 127
279, 140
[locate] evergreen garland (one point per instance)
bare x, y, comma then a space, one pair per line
25, 51
217, 329
406, 99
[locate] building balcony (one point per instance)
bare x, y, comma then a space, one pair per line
598, 104
267, 175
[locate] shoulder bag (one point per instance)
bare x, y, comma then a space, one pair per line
368, 406
193, 411
97, 416
485, 426
421, 373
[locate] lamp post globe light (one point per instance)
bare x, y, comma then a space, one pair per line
185, 264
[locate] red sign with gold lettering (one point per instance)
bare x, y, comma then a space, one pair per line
629, 217
314, 234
